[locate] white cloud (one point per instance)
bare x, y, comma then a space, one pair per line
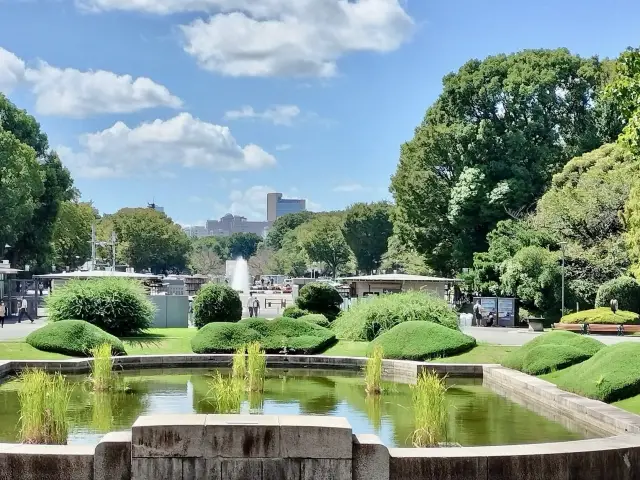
12, 71
349, 187
183, 140
278, 114
284, 147
73, 93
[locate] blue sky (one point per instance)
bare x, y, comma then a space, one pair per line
206, 105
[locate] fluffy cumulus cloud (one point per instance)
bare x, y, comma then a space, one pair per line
73, 93
278, 114
159, 146
279, 37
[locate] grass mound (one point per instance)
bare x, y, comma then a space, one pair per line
369, 318
611, 374
422, 340
73, 337
553, 358
293, 311
548, 358
602, 315
298, 336
317, 319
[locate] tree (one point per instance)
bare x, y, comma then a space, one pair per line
218, 245
632, 221
489, 145
261, 263
72, 234
401, 257
285, 224
292, 258
243, 245
323, 241
148, 239
367, 228
205, 260
20, 186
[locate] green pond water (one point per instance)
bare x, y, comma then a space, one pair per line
477, 415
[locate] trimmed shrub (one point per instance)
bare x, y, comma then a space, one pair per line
611, 374
369, 318
215, 303
293, 311
625, 290
296, 335
420, 340
317, 319
119, 306
602, 315
320, 297
73, 337
548, 358
586, 345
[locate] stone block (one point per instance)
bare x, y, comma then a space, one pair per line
416, 463
168, 436
242, 436
280, 469
242, 469
112, 459
46, 462
315, 437
325, 469
370, 458
156, 469
201, 469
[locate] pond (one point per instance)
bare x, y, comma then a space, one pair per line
477, 415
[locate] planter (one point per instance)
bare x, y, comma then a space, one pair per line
536, 326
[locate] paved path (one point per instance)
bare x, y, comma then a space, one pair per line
517, 336
13, 330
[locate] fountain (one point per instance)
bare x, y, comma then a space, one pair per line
240, 277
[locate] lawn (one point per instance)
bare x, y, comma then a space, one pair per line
346, 348
631, 404
483, 353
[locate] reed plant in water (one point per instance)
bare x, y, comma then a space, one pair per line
373, 372
430, 410
225, 393
44, 400
239, 366
256, 367
103, 378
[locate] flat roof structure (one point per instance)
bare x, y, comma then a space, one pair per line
97, 274
399, 277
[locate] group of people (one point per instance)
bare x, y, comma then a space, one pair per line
253, 304
477, 313
22, 312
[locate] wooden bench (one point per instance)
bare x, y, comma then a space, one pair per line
596, 328
630, 329
569, 327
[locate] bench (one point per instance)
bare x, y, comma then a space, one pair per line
570, 327
595, 328
630, 329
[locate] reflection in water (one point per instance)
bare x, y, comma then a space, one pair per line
476, 415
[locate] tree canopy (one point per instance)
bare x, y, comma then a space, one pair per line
285, 224
324, 242
367, 228
72, 234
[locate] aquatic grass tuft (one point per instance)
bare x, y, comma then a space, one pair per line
239, 365
44, 400
103, 378
225, 393
256, 367
373, 372
430, 410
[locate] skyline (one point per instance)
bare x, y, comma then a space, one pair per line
175, 102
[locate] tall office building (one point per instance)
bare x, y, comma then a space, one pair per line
278, 206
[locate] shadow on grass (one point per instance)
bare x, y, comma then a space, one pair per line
146, 340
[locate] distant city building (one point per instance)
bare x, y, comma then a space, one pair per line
155, 207
196, 231
230, 224
278, 206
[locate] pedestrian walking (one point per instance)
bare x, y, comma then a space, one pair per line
250, 304
3, 313
24, 310
256, 306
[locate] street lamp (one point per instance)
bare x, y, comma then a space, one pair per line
562, 246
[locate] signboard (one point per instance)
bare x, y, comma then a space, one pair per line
504, 309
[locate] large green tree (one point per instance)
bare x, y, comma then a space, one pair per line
283, 225
324, 242
243, 245
367, 228
72, 234
399, 256
489, 146
292, 258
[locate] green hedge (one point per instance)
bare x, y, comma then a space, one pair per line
548, 358
317, 319
421, 341
215, 303
119, 306
367, 319
520, 359
293, 311
602, 315
73, 337
296, 335
320, 297
610, 375
625, 290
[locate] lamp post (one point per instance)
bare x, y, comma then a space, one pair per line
562, 246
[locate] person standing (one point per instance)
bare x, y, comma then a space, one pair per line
250, 304
3, 313
256, 306
477, 313
24, 310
